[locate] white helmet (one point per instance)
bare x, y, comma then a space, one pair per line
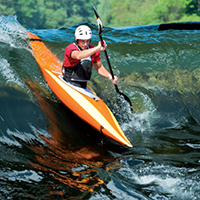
83, 32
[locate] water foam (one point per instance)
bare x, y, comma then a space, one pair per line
9, 74
164, 181
12, 32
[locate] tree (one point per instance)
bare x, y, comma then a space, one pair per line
166, 11
28, 13
57, 13
192, 7
7, 7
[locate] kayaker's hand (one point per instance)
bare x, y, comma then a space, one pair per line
114, 81
102, 47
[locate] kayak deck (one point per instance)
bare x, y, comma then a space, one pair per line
86, 91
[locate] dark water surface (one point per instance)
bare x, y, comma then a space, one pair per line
46, 152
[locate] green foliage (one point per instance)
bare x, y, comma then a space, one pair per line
28, 13
63, 13
7, 7
191, 7
49, 13
168, 11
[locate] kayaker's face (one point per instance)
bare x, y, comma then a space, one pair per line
83, 44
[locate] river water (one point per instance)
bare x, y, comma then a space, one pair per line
46, 152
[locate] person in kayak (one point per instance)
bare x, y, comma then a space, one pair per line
81, 56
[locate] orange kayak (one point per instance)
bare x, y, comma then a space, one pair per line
83, 102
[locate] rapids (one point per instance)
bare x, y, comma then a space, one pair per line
46, 152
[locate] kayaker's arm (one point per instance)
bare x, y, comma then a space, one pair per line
87, 52
103, 72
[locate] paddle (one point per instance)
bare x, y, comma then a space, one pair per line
100, 27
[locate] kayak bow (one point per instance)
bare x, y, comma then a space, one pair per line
82, 102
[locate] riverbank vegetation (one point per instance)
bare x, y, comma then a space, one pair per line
47, 14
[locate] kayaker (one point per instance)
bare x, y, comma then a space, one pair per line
81, 56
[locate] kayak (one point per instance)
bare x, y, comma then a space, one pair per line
83, 102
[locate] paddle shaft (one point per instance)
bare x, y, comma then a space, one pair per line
111, 71
109, 65
107, 59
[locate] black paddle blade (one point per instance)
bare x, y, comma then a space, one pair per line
128, 100
95, 12
125, 97
100, 26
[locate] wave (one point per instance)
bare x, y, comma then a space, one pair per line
48, 152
